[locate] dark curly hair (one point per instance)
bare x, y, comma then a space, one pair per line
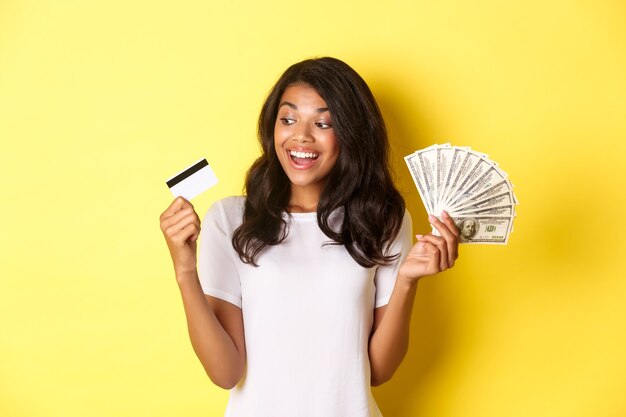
360, 181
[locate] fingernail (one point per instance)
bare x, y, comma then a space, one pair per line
445, 214
419, 236
432, 218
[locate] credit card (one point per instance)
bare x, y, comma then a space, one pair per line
192, 181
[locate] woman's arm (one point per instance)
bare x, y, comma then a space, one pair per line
215, 326
216, 332
390, 333
389, 341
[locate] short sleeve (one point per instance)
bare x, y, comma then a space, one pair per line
216, 256
385, 278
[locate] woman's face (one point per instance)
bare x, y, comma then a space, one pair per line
304, 138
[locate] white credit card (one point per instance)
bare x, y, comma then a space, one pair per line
192, 181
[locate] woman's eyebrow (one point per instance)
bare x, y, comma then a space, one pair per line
293, 106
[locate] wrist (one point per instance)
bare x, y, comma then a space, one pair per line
406, 284
184, 276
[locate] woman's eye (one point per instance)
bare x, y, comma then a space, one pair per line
323, 125
287, 121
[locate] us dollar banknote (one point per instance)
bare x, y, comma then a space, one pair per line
471, 187
489, 229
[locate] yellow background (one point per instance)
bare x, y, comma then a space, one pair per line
101, 101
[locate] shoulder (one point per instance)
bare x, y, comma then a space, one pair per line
407, 217
406, 224
235, 202
405, 231
227, 211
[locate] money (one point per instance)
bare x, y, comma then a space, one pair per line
472, 188
484, 229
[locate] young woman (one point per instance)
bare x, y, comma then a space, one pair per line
302, 293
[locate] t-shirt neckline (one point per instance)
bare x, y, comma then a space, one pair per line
311, 215
301, 216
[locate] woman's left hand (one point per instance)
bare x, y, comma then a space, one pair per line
432, 254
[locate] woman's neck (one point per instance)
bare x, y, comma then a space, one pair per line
303, 200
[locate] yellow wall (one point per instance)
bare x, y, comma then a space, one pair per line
101, 101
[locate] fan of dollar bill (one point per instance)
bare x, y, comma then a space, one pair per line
470, 187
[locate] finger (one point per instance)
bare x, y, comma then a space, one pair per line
181, 224
434, 257
442, 245
178, 216
453, 246
194, 237
452, 239
185, 233
449, 222
176, 205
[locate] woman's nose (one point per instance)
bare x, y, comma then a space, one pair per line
303, 139
303, 134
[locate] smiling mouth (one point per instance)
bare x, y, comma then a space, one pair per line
303, 158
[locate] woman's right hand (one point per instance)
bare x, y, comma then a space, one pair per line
181, 227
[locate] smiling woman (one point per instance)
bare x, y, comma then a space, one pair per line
306, 145
335, 103
303, 290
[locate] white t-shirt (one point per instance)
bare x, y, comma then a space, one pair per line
307, 314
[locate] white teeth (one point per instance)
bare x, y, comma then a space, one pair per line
303, 154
